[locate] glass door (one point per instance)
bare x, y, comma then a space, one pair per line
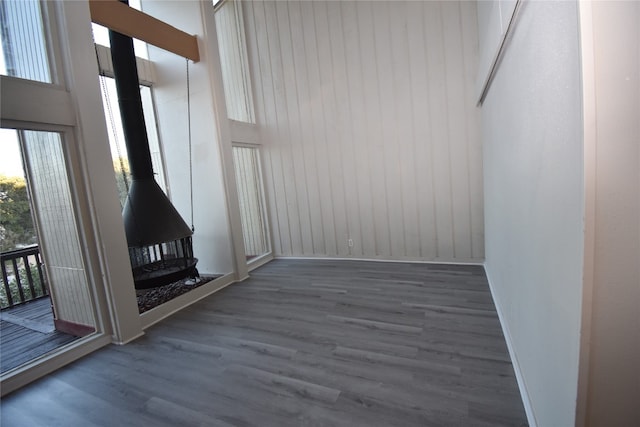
45, 296
251, 198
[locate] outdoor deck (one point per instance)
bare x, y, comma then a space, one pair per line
27, 332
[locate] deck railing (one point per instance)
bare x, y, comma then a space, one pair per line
22, 276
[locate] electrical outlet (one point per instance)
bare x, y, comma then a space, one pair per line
350, 241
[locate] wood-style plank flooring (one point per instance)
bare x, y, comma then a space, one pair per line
301, 343
27, 332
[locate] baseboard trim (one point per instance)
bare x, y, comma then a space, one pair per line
71, 328
522, 386
165, 310
128, 340
259, 262
398, 260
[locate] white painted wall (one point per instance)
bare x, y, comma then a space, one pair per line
212, 238
534, 205
610, 377
370, 132
494, 18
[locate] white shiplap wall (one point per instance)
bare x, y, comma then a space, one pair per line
367, 115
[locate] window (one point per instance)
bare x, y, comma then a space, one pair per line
61, 253
101, 35
116, 136
47, 165
112, 112
16, 221
246, 162
233, 58
24, 48
47, 264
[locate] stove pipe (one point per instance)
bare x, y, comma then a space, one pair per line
149, 217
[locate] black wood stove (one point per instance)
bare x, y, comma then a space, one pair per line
159, 240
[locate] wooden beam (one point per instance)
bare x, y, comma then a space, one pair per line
133, 23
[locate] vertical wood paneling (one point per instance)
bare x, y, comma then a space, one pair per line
474, 146
406, 146
318, 127
423, 187
364, 236
283, 165
343, 120
439, 143
294, 152
458, 151
369, 127
374, 142
330, 124
306, 143
390, 141
340, 119
260, 66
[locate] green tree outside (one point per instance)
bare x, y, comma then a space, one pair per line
121, 169
16, 222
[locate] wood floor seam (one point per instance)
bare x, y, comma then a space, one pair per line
301, 343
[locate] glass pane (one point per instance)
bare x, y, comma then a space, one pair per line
117, 141
44, 288
16, 223
250, 196
152, 133
233, 58
58, 232
101, 35
24, 47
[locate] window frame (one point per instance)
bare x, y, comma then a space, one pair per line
71, 106
236, 76
268, 254
42, 365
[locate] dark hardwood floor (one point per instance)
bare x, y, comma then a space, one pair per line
301, 343
27, 332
